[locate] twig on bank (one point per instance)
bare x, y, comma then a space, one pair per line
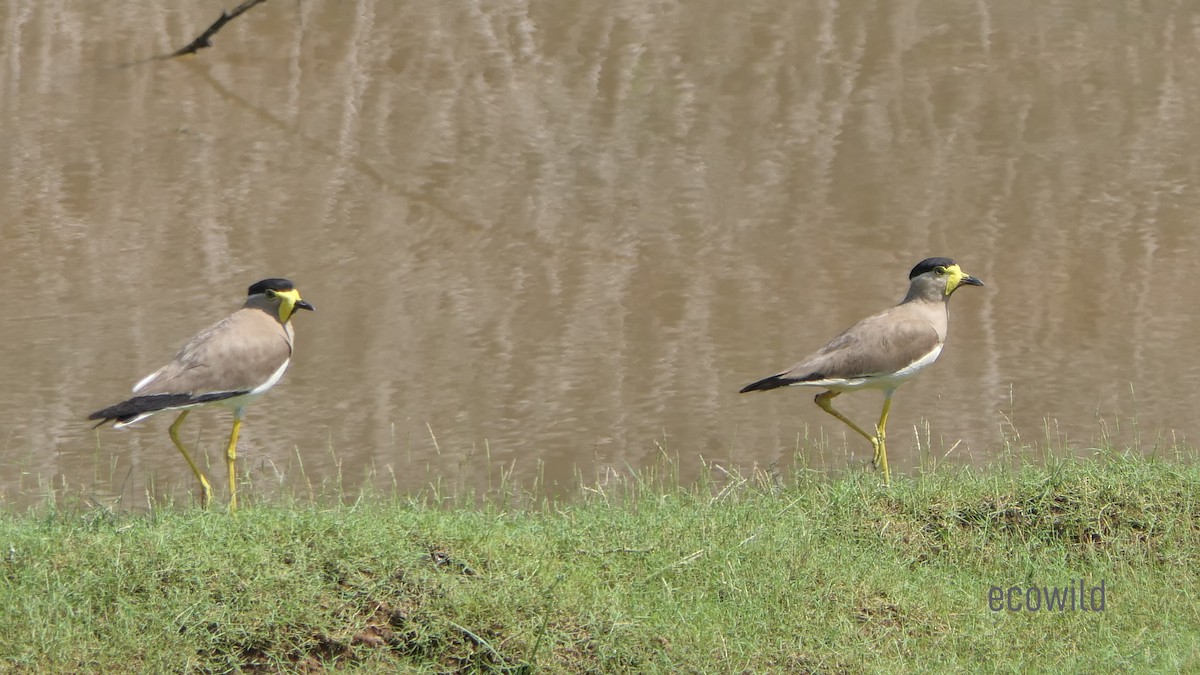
203, 41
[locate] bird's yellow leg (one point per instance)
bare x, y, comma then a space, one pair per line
825, 399
205, 488
880, 439
230, 459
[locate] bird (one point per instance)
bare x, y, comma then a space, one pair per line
883, 350
231, 363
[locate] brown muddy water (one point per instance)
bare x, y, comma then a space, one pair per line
553, 239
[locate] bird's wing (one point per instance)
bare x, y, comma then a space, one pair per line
879, 345
237, 354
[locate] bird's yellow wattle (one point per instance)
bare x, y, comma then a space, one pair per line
287, 303
955, 276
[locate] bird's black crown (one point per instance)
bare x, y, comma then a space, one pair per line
276, 284
926, 265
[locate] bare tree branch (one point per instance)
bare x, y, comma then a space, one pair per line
203, 41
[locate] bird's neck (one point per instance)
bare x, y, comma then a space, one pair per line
925, 295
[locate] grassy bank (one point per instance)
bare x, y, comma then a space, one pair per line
814, 575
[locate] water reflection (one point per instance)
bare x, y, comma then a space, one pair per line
559, 236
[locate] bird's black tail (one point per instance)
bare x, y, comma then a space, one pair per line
140, 405
772, 382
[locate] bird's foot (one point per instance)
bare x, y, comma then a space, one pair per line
880, 462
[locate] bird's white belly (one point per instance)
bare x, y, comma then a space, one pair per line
237, 403
274, 379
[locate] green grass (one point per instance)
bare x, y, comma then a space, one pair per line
815, 574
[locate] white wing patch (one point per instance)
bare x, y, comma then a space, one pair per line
145, 381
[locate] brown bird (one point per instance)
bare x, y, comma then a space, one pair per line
882, 351
230, 363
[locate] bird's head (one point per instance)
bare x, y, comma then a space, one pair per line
279, 295
938, 277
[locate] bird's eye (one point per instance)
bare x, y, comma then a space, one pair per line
939, 271
270, 294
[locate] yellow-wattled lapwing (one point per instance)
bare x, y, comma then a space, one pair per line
882, 351
230, 363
